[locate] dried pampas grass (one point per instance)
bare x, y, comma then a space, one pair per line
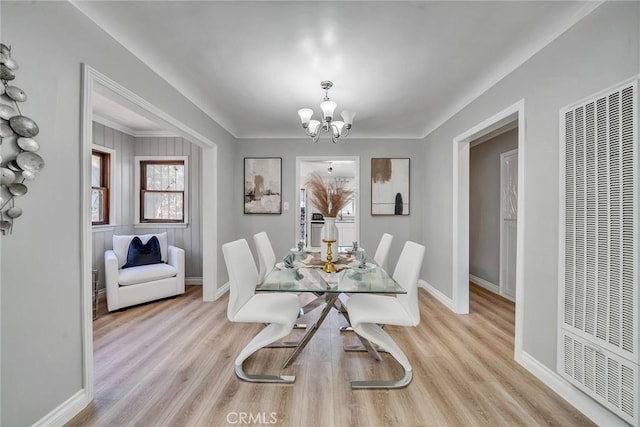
330, 197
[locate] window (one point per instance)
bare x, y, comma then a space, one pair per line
163, 189
100, 186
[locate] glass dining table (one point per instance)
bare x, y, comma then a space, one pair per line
327, 287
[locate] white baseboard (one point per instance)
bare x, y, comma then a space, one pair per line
448, 302
65, 411
193, 281
583, 403
222, 290
485, 284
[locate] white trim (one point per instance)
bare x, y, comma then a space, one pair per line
86, 234
162, 225
579, 400
445, 300
485, 284
222, 290
209, 222
64, 412
91, 79
136, 189
103, 228
193, 280
495, 134
460, 197
135, 133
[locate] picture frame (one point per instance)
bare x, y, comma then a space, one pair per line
390, 186
263, 185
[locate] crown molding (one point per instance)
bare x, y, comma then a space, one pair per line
132, 132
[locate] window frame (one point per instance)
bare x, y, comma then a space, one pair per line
139, 191
108, 178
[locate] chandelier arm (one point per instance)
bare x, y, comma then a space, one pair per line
316, 138
335, 134
334, 138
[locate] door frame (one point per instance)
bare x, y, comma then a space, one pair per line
502, 279
91, 80
355, 159
460, 247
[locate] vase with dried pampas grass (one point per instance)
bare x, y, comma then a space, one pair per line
329, 197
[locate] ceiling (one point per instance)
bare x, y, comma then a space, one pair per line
339, 168
403, 67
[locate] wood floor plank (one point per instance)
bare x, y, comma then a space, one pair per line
170, 363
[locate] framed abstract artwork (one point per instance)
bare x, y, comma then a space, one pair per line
389, 186
263, 185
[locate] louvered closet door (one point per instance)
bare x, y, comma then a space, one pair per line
599, 246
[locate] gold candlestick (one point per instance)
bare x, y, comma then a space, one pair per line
328, 266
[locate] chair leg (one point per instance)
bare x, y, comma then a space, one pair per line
283, 379
402, 382
361, 348
268, 336
377, 336
283, 344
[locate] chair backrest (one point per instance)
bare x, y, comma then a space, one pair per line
243, 275
406, 274
382, 253
266, 255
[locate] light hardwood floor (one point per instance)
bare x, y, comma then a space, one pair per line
170, 363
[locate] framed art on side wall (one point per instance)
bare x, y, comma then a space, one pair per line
263, 185
389, 186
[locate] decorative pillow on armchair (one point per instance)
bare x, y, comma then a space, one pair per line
121, 245
143, 253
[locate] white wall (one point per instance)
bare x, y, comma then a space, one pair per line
41, 340
484, 205
281, 228
599, 51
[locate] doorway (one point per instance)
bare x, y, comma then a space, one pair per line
308, 220
460, 250
493, 211
94, 82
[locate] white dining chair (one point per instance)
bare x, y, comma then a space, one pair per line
367, 312
380, 258
266, 255
279, 310
382, 252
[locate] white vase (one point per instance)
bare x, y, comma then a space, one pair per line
329, 232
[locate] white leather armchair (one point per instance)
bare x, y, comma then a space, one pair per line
136, 285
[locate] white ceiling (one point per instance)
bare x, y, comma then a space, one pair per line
404, 67
339, 168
